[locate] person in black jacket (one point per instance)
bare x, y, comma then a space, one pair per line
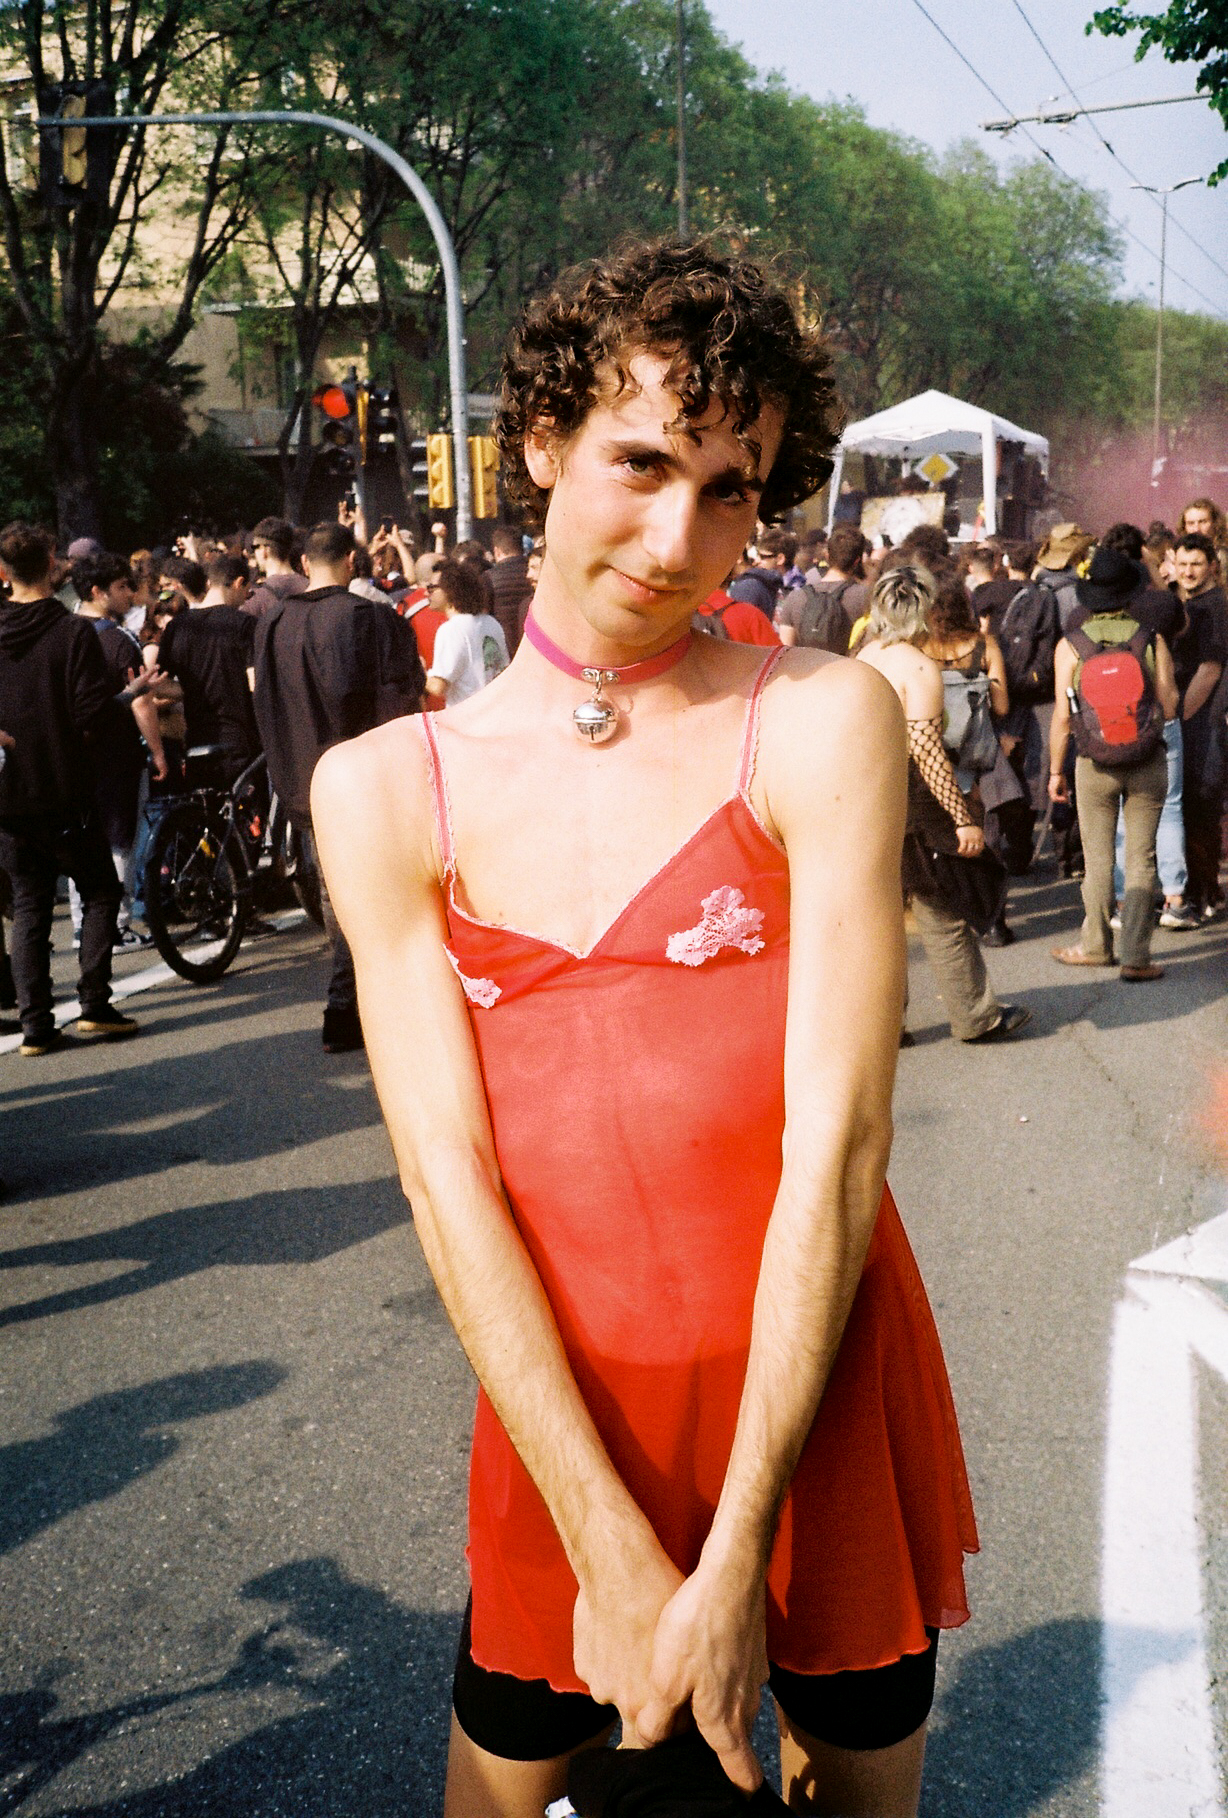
329, 665
1022, 614
58, 703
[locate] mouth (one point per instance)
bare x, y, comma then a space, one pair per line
645, 591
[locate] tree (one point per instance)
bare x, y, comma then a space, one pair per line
1187, 31
68, 261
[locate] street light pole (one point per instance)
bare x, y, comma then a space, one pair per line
680, 61
1164, 194
454, 303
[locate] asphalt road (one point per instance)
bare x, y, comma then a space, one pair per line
235, 1421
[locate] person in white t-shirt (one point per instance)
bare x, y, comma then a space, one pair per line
470, 648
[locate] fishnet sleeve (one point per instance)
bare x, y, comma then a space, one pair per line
926, 749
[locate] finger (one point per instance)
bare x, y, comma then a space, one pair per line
654, 1722
737, 1758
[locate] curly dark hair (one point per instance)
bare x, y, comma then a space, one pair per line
728, 331
952, 612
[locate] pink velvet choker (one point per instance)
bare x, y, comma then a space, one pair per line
596, 719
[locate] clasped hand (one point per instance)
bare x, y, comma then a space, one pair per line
662, 1648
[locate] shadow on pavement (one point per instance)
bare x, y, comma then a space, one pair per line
234, 1103
298, 1225
370, 1737
103, 1445
1016, 1723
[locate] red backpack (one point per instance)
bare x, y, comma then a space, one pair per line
1115, 715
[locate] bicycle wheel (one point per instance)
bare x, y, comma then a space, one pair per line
196, 901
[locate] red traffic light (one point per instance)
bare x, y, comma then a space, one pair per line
334, 402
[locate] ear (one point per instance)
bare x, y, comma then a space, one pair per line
541, 454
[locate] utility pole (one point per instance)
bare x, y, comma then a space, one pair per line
1164, 194
680, 61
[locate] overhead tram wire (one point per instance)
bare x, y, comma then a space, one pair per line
1116, 157
1045, 153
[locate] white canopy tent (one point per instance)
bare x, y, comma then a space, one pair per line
935, 423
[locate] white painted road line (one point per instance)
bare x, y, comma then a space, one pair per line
136, 982
1158, 1757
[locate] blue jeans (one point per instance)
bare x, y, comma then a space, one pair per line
1170, 835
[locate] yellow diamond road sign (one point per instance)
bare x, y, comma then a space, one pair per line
936, 468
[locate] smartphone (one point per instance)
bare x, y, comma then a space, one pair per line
385, 524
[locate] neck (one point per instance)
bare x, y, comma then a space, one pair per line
214, 597
275, 567
91, 610
24, 593
328, 577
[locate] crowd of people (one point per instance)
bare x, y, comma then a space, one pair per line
206, 645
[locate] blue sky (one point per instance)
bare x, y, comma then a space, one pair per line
888, 57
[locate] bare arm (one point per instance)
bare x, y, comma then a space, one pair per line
371, 812
999, 693
1166, 681
1064, 665
1201, 688
837, 790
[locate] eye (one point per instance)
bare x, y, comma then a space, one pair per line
640, 466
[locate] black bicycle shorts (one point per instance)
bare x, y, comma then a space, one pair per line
527, 1720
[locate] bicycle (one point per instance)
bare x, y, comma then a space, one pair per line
213, 847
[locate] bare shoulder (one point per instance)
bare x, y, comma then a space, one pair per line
818, 704
371, 798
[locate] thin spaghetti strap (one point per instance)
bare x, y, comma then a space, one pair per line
439, 796
750, 737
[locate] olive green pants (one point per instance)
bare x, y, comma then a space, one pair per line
1140, 791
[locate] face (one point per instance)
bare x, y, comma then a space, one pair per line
1197, 521
1193, 570
119, 599
643, 521
260, 555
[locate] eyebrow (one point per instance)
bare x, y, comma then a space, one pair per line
651, 451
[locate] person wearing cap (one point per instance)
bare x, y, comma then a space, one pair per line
1057, 563
1103, 612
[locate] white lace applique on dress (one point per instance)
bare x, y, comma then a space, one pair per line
727, 922
480, 991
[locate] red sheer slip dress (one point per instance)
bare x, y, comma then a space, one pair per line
637, 1097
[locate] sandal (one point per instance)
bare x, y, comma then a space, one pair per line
1075, 956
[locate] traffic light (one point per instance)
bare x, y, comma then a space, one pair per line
75, 162
440, 490
341, 433
383, 421
484, 467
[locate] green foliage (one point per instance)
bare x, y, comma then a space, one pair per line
1187, 31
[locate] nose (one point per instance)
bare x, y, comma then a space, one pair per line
670, 529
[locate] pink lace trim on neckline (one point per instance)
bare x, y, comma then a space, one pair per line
726, 922
480, 991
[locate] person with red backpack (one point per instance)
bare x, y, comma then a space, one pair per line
1115, 688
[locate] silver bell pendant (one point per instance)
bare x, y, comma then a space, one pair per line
596, 719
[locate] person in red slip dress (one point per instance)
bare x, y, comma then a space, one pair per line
629, 945
741, 621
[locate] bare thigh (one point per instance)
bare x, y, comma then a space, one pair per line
487, 1786
850, 1783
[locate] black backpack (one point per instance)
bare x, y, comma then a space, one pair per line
712, 624
823, 623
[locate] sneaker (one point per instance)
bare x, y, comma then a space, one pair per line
128, 940
1012, 1017
34, 1046
342, 1032
1115, 921
108, 1023
1140, 974
1211, 912
999, 936
76, 941
257, 928
1180, 915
